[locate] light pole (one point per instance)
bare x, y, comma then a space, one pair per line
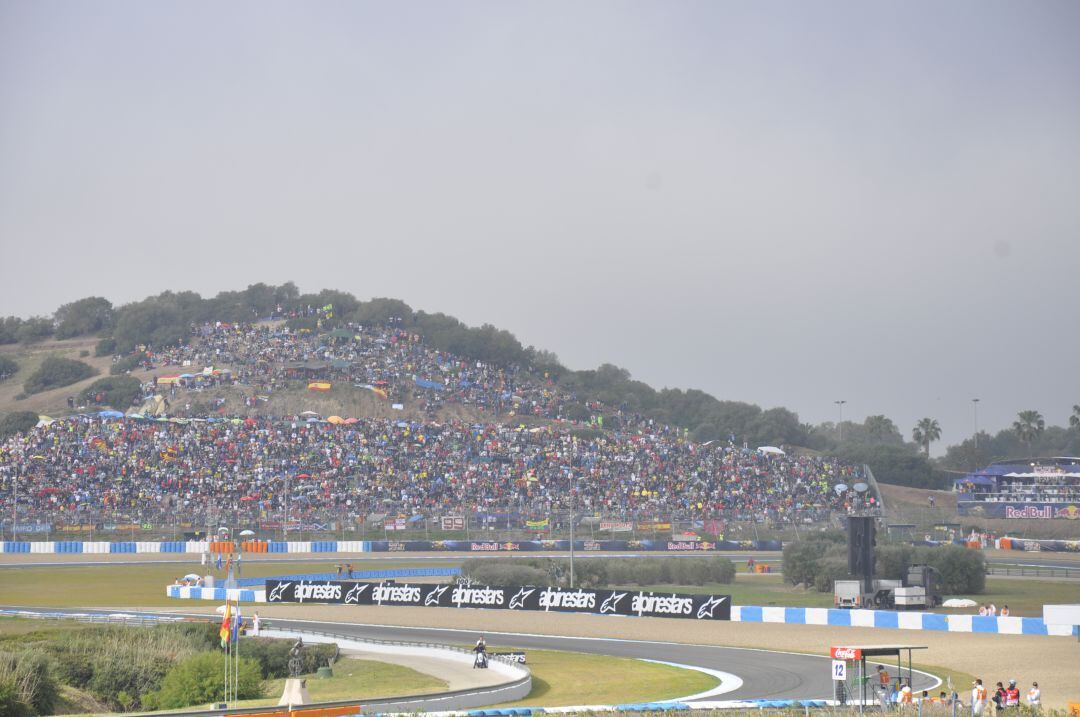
285, 524
573, 497
840, 406
975, 419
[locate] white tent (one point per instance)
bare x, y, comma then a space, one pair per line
771, 449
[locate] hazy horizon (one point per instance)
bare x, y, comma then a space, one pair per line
786, 204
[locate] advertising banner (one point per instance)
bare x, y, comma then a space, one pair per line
512, 546
1018, 511
534, 599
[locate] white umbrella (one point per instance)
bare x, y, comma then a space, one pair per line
220, 610
191, 576
771, 449
247, 532
958, 602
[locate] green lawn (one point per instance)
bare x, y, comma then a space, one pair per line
141, 585
573, 678
360, 679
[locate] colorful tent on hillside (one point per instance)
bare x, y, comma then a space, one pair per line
319, 386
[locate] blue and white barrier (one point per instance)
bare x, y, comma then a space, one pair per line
892, 619
184, 592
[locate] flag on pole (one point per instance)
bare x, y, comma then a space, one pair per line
226, 624
238, 621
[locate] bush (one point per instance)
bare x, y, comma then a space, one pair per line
818, 563
34, 329
272, 655
116, 391
8, 367
55, 372
85, 316
17, 422
962, 571
9, 329
105, 347
197, 680
815, 562
128, 363
509, 575
26, 684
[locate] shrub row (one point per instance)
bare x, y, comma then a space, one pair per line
817, 562
600, 572
132, 668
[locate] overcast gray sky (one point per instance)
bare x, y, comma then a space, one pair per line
787, 203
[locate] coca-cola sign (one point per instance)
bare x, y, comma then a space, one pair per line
845, 653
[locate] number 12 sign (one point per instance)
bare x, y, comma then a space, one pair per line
839, 670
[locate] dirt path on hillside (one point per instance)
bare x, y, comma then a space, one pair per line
1052, 661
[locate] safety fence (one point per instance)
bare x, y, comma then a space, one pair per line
376, 546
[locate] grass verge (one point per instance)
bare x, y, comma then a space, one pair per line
137, 585
574, 678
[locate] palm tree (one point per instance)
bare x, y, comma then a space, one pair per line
1074, 419
1029, 426
926, 431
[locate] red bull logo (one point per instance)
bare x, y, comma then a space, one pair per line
1029, 511
1070, 511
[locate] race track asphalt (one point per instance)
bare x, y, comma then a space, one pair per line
765, 674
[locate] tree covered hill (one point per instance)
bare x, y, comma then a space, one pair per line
167, 320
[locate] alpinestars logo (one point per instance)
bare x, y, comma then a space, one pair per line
707, 607
611, 604
353, 596
276, 594
435, 595
518, 601
326, 592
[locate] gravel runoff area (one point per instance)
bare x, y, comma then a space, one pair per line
1054, 662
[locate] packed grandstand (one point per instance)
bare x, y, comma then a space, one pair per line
102, 465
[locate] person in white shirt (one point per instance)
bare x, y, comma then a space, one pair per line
978, 698
1034, 695
255, 624
993, 609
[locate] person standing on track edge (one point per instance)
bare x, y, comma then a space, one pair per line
978, 698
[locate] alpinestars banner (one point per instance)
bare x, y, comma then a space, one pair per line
536, 599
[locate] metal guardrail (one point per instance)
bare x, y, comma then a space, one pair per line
405, 643
1034, 571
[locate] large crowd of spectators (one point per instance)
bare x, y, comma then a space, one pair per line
266, 357
170, 470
